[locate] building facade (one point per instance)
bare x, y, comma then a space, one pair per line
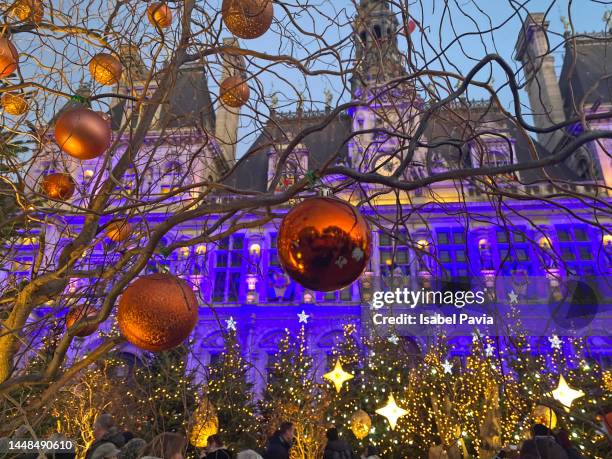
450, 231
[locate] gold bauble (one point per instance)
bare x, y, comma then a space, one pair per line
105, 69
14, 104
9, 57
118, 230
157, 312
544, 415
324, 244
247, 18
76, 314
205, 424
160, 15
29, 10
234, 91
361, 423
58, 185
83, 133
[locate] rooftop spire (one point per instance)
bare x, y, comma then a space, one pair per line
375, 34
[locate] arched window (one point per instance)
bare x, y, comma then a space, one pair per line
363, 37
377, 32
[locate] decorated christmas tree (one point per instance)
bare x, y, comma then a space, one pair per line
231, 393
292, 394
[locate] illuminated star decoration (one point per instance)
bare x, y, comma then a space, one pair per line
393, 339
303, 317
392, 412
489, 350
513, 297
338, 376
565, 395
231, 324
448, 367
555, 342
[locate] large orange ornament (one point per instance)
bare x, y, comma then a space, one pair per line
324, 244
58, 185
160, 15
157, 312
119, 230
234, 91
247, 18
83, 133
80, 312
105, 69
29, 10
14, 104
9, 57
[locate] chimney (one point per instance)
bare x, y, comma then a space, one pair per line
226, 127
533, 51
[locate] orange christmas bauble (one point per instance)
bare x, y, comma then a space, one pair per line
80, 312
157, 312
119, 230
9, 57
58, 185
234, 91
324, 244
105, 69
29, 10
82, 133
160, 15
247, 18
14, 104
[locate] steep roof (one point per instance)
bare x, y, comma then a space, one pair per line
587, 71
189, 106
251, 173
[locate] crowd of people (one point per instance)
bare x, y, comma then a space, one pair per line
112, 443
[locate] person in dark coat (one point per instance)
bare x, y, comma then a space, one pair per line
280, 443
215, 449
546, 444
105, 431
336, 448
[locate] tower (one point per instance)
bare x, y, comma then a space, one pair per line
533, 51
375, 33
388, 106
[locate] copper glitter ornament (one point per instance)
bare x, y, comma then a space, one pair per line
29, 10
8, 57
324, 244
118, 230
14, 104
105, 69
58, 185
157, 312
544, 415
83, 133
160, 15
247, 18
234, 91
81, 312
361, 423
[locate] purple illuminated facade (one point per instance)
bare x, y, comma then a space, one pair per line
456, 234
